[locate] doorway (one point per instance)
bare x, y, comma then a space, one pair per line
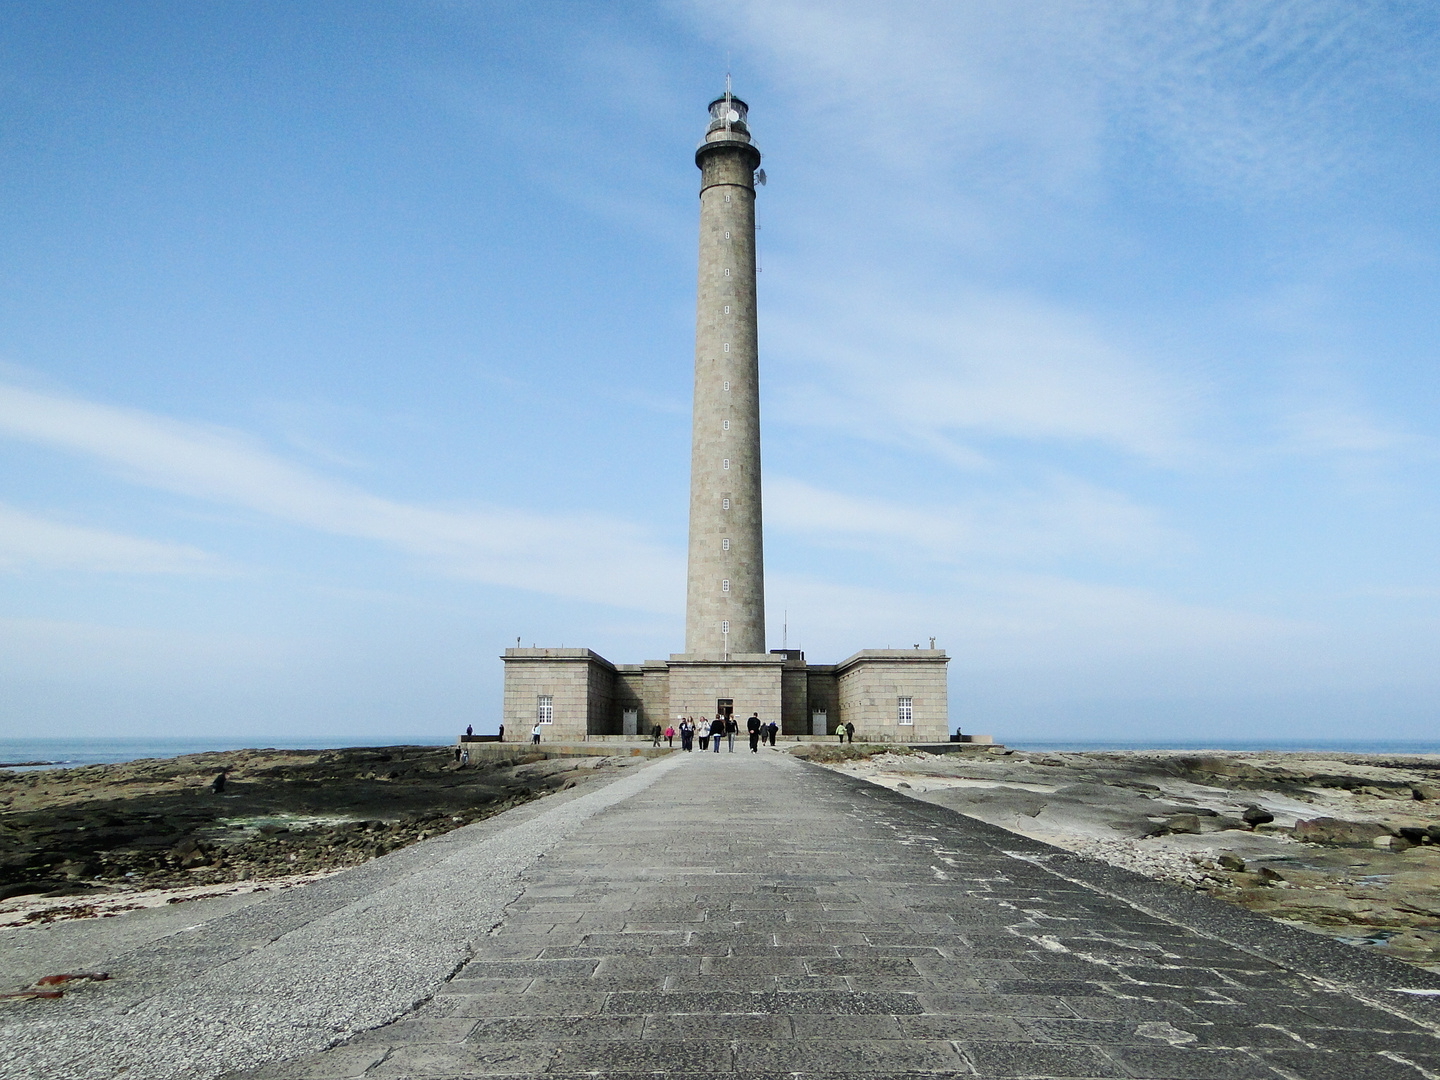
724, 708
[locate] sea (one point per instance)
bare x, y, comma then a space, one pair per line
1325, 746
68, 753
23, 754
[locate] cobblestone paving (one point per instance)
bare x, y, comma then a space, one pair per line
752, 916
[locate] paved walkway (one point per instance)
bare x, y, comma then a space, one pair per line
754, 916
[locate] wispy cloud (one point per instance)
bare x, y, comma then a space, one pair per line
30, 542
586, 557
1237, 96
1067, 517
1042, 623
937, 371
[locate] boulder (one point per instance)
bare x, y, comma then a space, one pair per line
1183, 823
1228, 860
1425, 792
1220, 823
1328, 830
1257, 815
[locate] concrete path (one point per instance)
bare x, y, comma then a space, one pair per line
755, 916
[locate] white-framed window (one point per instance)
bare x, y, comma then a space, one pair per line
727, 386
725, 585
545, 709
727, 234
724, 425
727, 198
727, 271
727, 309
724, 504
727, 346
724, 626
907, 710
725, 464
725, 544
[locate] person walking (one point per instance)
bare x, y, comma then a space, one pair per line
717, 731
849, 732
535, 734
469, 729
655, 735
670, 735
774, 730
753, 726
840, 732
731, 727
704, 734
687, 735
502, 733
465, 758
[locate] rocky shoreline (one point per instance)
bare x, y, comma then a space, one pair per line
101, 839
1347, 845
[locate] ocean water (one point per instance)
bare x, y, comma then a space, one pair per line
68, 753
1330, 746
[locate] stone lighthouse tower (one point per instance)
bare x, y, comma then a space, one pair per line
725, 585
569, 695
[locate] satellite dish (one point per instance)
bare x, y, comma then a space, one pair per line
732, 116
760, 177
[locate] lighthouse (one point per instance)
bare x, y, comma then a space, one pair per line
575, 695
725, 582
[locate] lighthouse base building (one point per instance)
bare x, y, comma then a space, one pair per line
889, 695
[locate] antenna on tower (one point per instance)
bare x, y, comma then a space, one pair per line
785, 631
729, 112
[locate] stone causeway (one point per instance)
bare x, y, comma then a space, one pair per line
751, 915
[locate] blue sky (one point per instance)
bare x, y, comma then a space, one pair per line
341, 344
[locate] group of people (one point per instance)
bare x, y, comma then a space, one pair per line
713, 732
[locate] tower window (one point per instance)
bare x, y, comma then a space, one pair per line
727, 386
545, 709
906, 710
727, 346
725, 544
727, 234
724, 425
724, 626
727, 271
727, 198
727, 309
725, 464
725, 585
724, 504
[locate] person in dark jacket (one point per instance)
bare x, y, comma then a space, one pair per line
753, 725
849, 732
774, 730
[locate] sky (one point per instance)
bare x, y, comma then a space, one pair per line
344, 344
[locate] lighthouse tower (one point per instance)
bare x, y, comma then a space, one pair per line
725, 585
576, 695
